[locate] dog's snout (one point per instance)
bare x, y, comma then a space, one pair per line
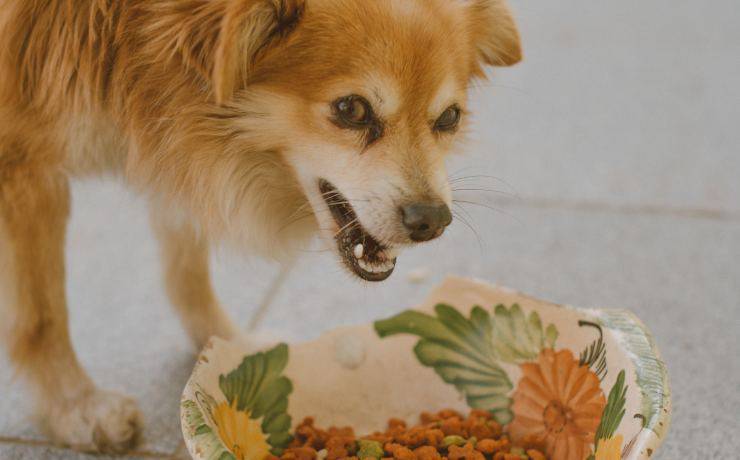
425, 221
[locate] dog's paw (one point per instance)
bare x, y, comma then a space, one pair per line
101, 421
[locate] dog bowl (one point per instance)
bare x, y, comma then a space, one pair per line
586, 383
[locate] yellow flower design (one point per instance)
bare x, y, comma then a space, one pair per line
239, 433
609, 449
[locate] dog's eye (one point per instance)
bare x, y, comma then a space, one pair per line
449, 119
353, 112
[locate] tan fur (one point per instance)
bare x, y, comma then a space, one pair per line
218, 111
185, 260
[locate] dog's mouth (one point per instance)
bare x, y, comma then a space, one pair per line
362, 253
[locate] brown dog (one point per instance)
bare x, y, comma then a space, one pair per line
259, 122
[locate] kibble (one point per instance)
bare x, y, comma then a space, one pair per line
444, 435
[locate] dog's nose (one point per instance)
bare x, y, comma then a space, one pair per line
426, 221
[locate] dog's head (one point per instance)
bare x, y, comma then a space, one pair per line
363, 100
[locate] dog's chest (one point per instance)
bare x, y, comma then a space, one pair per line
94, 145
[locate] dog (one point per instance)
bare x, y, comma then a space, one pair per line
260, 123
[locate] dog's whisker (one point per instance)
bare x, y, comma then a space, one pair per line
469, 226
339, 203
300, 208
470, 182
459, 171
454, 177
488, 190
492, 208
334, 194
475, 203
295, 218
346, 226
465, 211
315, 251
479, 176
307, 205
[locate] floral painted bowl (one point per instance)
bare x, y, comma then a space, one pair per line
587, 384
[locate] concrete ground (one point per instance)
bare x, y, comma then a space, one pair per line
617, 147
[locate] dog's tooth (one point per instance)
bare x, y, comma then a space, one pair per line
373, 268
359, 251
383, 267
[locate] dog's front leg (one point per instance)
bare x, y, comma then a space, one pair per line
34, 207
187, 278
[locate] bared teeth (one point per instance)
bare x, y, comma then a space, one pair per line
364, 265
382, 267
359, 251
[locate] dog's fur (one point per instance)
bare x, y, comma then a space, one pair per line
219, 112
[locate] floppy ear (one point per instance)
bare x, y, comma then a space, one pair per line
223, 39
495, 33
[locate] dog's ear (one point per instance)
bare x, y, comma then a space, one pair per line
495, 33
224, 39
248, 29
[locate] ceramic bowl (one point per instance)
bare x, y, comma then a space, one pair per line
587, 383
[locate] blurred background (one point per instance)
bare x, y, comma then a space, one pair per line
611, 157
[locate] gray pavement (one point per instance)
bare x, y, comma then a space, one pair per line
616, 149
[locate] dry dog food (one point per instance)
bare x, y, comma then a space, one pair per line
444, 435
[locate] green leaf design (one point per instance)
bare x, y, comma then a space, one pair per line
651, 374
595, 355
459, 350
197, 428
517, 338
258, 387
614, 410
464, 351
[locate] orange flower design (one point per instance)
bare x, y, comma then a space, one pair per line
557, 404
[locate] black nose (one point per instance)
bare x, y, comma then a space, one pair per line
425, 221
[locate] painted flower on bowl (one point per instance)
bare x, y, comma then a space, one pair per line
250, 419
558, 403
240, 433
609, 449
